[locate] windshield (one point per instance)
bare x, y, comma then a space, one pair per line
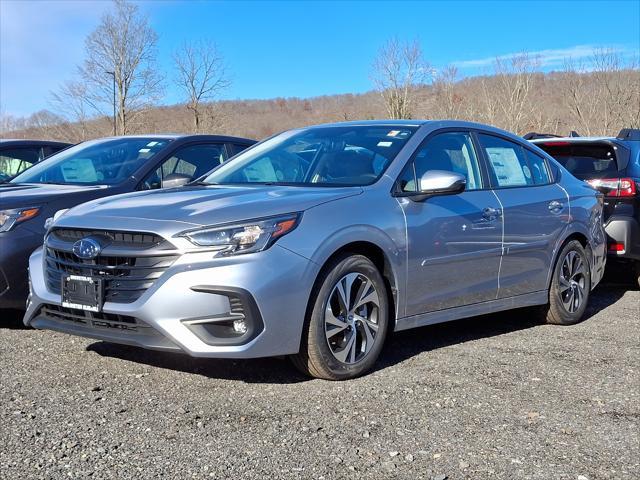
97, 162
319, 156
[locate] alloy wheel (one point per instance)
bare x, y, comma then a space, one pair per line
573, 281
351, 318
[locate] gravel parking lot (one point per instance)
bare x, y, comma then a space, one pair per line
493, 397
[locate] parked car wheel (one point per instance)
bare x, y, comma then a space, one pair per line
570, 286
637, 272
347, 324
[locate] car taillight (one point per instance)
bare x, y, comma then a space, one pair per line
615, 187
617, 247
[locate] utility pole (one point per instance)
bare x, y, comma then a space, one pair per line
113, 76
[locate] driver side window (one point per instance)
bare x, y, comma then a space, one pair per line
191, 161
452, 152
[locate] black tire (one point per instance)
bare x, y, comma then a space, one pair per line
637, 272
557, 312
317, 356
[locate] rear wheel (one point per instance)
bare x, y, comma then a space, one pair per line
570, 286
347, 324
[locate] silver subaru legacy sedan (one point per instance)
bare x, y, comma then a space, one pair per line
320, 241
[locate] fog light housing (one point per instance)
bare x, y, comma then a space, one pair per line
240, 326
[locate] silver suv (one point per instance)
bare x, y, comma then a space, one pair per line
318, 242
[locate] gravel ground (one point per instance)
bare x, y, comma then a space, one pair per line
496, 397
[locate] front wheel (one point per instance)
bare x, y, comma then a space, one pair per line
570, 286
347, 323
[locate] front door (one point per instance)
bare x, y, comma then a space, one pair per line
454, 241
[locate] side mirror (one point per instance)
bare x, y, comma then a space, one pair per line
440, 182
175, 180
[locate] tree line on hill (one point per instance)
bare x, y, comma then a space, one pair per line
119, 80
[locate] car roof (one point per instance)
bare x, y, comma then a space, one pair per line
435, 124
25, 142
574, 139
182, 137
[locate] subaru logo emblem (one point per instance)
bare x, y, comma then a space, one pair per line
87, 248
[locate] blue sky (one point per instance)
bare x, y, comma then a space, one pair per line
286, 49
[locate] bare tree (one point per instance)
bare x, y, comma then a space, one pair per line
578, 96
618, 90
514, 83
201, 75
448, 100
398, 70
603, 95
122, 49
71, 100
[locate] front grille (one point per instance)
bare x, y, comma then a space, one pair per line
99, 320
122, 239
126, 278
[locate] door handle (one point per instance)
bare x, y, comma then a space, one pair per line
556, 206
491, 213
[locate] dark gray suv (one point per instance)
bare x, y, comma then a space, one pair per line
611, 165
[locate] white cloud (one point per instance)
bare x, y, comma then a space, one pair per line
547, 58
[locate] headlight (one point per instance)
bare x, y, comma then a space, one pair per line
49, 221
8, 218
246, 237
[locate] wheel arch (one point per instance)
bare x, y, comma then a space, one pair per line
573, 234
379, 258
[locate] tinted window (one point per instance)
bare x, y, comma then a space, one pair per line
507, 162
538, 167
344, 155
236, 148
51, 149
15, 160
98, 162
452, 151
584, 161
192, 161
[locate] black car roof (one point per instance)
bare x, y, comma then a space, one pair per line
5, 142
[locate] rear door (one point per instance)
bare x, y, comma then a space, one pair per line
536, 211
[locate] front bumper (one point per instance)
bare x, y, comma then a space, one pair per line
15, 248
272, 286
625, 230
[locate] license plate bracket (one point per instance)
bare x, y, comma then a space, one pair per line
82, 292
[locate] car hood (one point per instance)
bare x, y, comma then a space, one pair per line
202, 205
13, 195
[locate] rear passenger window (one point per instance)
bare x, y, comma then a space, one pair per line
15, 160
538, 167
507, 162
